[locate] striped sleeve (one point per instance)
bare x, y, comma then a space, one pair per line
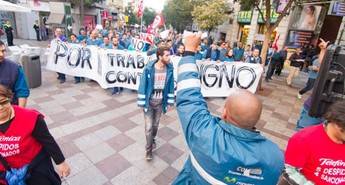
191, 106
142, 89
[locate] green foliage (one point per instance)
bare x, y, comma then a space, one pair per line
210, 14
132, 17
178, 13
87, 3
149, 15
247, 5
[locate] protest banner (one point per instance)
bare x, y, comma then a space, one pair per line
140, 45
119, 68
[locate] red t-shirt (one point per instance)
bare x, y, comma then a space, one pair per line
321, 160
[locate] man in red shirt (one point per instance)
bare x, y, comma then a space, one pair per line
317, 153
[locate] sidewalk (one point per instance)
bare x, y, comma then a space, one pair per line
42, 44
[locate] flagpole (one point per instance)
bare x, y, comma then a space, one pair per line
141, 22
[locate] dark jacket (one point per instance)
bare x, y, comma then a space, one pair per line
295, 60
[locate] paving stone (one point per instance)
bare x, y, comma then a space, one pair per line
99, 152
91, 175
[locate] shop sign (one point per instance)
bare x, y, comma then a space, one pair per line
244, 17
273, 19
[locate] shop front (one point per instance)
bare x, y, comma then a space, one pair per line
262, 29
244, 19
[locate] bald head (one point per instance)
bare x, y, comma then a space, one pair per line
243, 109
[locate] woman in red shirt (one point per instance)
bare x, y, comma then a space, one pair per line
26, 146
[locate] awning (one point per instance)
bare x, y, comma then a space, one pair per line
55, 18
10, 7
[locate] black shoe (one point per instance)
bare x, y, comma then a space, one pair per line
62, 81
149, 155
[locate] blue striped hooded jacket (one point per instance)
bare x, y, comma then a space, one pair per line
220, 153
147, 84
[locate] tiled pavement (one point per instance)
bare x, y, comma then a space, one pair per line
102, 136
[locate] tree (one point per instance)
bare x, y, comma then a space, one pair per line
210, 14
178, 13
132, 17
148, 16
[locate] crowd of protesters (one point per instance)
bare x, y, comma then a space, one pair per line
236, 153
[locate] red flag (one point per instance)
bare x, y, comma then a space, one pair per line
140, 8
157, 22
275, 42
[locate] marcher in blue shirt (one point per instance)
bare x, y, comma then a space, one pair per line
180, 50
12, 76
106, 43
222, 51
73, 39
199, 55
59, 37
230, 56
226, 150
155, 94
82, 35
238, 52
255, 58
94, 40
116, 45
213, 52
204, 45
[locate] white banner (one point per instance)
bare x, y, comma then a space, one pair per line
120, 68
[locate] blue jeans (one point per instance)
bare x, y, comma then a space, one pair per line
117, 90
305, 120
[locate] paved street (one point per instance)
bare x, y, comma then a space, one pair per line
102, 136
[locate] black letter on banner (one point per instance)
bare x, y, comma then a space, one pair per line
201, 71
86, 57
140, 45
118, 77
111, 59
252, 74
60, 45
130, 60
133, 78
210, 75
230, 79
140, 61
108, 79
120, 59
69, 56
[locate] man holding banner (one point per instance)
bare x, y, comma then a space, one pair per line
227, 150
155, 93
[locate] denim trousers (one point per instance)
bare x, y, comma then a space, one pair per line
152, 116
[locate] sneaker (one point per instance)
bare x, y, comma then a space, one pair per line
299, 96
149, 155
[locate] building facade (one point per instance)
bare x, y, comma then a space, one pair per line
64, 14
